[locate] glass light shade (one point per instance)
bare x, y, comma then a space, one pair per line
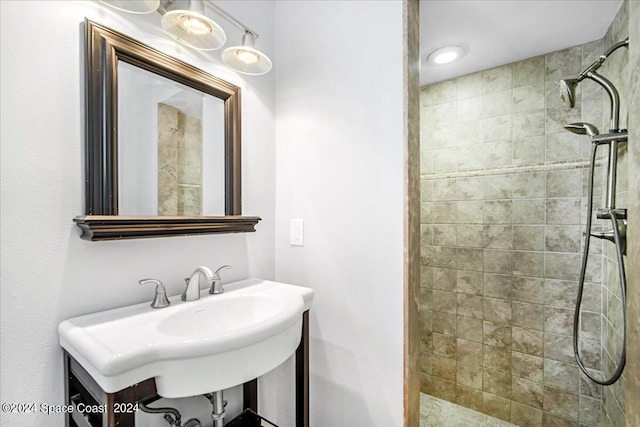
247, 60
193, 29
446, 54
139, 7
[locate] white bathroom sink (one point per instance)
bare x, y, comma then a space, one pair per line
193, 347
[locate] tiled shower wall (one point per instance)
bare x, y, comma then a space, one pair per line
616, 69
503, 200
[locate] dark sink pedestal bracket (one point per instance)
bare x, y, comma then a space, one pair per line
80, 387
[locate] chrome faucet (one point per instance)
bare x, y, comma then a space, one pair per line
192, 292
216, 285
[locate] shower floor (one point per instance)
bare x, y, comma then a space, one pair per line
435, 412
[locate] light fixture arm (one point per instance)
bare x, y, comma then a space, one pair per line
215, 9
163, 8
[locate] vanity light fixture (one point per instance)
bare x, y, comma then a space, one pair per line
446, 55
246, 58
194, 29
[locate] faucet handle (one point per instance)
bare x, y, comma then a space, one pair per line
216, 284
224, 267
160, 298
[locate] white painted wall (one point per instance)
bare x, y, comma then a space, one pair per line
47, 272
339, 139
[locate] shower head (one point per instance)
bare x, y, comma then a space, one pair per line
582, 128
568, 91
568, 86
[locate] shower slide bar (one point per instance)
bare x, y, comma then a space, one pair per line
618, 217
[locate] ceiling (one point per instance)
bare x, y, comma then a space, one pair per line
496, 32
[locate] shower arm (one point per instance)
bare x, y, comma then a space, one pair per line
613, 96
598, 63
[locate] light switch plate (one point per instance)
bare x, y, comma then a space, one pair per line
297, 232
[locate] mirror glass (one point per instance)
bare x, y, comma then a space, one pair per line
170, 147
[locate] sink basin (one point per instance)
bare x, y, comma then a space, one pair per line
194, 347
223, 316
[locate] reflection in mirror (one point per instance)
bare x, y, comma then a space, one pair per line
170, 146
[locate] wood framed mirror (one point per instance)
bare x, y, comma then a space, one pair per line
162, 144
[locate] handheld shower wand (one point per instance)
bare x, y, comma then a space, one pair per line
617, 234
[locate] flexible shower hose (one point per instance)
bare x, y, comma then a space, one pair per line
623, 282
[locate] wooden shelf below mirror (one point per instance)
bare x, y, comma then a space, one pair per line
110, 227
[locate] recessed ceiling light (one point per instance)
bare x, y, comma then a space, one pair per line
446, 55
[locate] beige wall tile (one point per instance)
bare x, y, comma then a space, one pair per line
444, 323
469, 259
496, 358
550, 420
558, 320
469, 282
529, 185
527, 367
496, 406
444, 389
528, 237
496, 310
496, 334
469, 328
529, 151
469, 305
444, 234
469, 375
528, 263
527, 392
444, 279
527, 341
562, 147
589, 411
528, 98
527, 315
497, 79
469, 397
529, 211
469, 352
498, 286
444, 368
529, 124
528, 289
529, 71
444, 345
563, 210
498, 261
444, 301
497, 212
563, 238
558, 347
525, 416
561, 375
562, 403
496, 382
469, 235
498, 236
